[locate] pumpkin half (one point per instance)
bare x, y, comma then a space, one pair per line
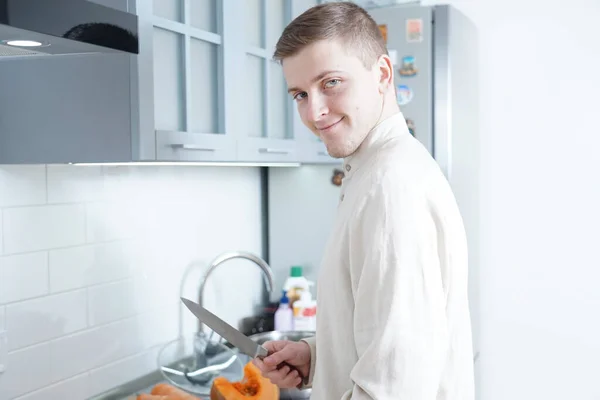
253, 386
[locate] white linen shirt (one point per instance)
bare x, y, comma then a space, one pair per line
393, 317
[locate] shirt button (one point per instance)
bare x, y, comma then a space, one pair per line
348, 167
342, 198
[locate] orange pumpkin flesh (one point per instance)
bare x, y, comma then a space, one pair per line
252, 387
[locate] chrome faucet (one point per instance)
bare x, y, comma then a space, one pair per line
229, 255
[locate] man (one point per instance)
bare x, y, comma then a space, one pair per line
393, 319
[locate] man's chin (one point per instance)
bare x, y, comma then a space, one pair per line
335, 153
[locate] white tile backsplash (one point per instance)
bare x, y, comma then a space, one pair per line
30, 268
1, 234
43, 227
26, 370
80, 352
76, 388
70, 183
111, 301
34, 321
111, 221
92, 261
22, 185
106, 377
82, 266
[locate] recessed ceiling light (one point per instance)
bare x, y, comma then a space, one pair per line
23, 43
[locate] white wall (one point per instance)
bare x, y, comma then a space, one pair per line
91, 260
539, 191
299, 230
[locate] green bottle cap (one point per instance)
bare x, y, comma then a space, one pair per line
296, 271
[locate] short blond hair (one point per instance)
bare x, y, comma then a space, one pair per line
344, 21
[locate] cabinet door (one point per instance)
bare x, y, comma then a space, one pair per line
190, 58
265, 106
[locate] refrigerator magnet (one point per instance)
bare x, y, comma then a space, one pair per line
383, 30
414, 30
408, 67
337, 177
404, 95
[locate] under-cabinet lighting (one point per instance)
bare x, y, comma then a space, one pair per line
23, 43
194, 163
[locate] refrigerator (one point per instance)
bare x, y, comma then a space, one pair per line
434, 52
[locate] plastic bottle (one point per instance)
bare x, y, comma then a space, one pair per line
305, 313
296, 284
284, 316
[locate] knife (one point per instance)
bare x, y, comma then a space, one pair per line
232, 335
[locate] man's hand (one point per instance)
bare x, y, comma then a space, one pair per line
296, 354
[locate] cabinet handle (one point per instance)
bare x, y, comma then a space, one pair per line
191, 147
323, 153
273, 151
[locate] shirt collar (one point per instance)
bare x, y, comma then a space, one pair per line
393, 126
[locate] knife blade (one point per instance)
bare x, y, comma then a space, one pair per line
232, 335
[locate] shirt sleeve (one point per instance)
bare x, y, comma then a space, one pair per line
400, 324
312, 343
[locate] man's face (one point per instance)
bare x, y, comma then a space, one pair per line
338, 99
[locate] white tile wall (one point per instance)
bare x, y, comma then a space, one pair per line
123, 370
73, 388
27, 369
92, 261
82, 266
43, 227
34, 321
31, 268
22, 185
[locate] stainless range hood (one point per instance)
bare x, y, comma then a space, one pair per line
62, 27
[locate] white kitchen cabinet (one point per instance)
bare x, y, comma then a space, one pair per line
208, 87
267, 134
215, 93
190, 49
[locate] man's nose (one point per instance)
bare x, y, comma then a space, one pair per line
317, 108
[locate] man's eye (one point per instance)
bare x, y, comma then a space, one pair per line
297, 96
332, 82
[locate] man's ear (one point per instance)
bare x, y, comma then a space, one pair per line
386, 73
